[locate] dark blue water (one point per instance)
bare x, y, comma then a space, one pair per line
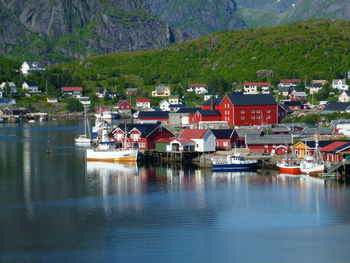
57, 208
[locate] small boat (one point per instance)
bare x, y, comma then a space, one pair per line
31, 121
313, 165
289, 166
84, 139
235, 162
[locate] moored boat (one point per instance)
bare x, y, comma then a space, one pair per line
289, 166
235, 162
108, 153
313, 165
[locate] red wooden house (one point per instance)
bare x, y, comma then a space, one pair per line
245, 109
226, 139
123, 105
205, 115
336, 151
269, 144
140, 136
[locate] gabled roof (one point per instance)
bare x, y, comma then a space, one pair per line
223, 133
291, 81
161, 89
145, 129
153, 115
72, 89
284, 89
31, 84
243, 132
343, 81
209, 112
193, 133
216, 101
319, 131
292, 103
269, 139
240, 99
312, 144
335, 146
188, 110
347, 92
336, 106
143, 100
131, 89
299, 93
316, 85
256, 84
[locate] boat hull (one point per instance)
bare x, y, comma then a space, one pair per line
112, 156
289, 170
235, 167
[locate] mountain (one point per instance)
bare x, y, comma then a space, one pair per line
262, 13
317, 49
59, 30
198, 17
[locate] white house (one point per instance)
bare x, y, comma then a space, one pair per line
28, 67
143, 103
344, 96
198, 88
314, 88
174, 99
84, 100
256, 87
52, 100
204, 139
30, 87
289, 83
207, 96
11, 85
164, 105
340, 84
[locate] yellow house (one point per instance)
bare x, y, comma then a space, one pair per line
301, 149
161, 91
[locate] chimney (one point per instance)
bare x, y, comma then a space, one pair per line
211, 103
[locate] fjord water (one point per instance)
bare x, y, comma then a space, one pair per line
55, 207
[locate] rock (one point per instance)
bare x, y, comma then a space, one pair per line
264, 73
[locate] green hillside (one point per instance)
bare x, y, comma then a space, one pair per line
317, 49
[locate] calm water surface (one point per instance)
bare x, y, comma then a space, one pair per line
58, 208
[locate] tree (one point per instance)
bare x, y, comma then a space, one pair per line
74, 105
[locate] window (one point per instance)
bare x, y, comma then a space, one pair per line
258, 111
242, 118
268, 117
135, 137
225, 144
258, 117
242, 111
253, 117
142, 144
267, 111
253, 111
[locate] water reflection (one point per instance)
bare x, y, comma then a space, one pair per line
58, 207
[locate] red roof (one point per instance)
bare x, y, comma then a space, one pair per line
143, 100
165, 140
291, 80
256, 84
198, 85
72, 89
193, 134
332, 146
184, 140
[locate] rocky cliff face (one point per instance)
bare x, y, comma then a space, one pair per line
62, 29
197, 17
260, 13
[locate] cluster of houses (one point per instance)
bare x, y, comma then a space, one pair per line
156, 137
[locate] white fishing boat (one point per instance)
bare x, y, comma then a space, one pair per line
109, 153
84, 139
235, 162
313, 165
